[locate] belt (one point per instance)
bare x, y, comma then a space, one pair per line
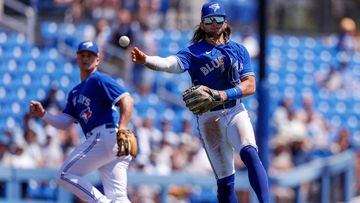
226, 105
106, 125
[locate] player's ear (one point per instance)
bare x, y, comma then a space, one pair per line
98, 60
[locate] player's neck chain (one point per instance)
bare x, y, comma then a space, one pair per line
215, 42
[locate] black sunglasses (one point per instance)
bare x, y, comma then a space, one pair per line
216, 19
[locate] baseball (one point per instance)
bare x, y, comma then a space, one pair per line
124, 41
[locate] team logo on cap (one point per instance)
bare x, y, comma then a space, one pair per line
215, 7
88, 44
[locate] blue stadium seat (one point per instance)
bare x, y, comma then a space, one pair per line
293, 42
309, 42
3, 39
276, 41
158, 34
49, 30
16, 39
175, 35
26, 79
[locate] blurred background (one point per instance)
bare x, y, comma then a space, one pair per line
312, 78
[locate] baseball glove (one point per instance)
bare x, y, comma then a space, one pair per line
127, 143
200, 99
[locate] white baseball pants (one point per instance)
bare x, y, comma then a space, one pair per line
222, 132
97, 152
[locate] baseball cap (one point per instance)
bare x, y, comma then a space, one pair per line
212, 8
88, 46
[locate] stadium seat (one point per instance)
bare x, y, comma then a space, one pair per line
49, 31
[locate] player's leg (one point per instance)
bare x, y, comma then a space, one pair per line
114, 174
114, 178
220, 155
86, 158
242, 137
226, 189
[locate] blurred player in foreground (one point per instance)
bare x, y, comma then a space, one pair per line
222, 69
92, 104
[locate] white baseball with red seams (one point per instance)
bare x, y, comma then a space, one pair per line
124, 41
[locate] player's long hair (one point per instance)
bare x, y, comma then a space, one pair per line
200, 34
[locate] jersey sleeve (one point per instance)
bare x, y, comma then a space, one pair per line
184, 58
69, 108
113, 90
245, 64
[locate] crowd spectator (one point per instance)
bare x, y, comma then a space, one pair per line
338, 77
282, 111
51, 150
250, 42
347, 36
150, 137
75, 14
105, 9
281, 162
342, 141
169, 136
145, 39
32, 148
102, 32
123, 25
51, 102
330, 80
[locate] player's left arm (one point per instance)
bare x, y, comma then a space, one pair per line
247, 85
126, 105
246, 88
126, 139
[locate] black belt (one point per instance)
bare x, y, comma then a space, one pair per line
226, 105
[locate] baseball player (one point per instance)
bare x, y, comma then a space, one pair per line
92, 104
220, 69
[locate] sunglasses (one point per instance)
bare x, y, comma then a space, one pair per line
212, 19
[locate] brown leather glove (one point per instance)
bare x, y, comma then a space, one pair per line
127, 143
200, 99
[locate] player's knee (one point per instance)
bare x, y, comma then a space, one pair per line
249, 155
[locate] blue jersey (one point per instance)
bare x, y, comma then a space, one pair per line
217, 67
92, 101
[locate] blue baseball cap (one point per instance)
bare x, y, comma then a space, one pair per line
212, 8
88, 46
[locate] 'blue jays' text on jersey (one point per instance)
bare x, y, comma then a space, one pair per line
92, 101
218, 67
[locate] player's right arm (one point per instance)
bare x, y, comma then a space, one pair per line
61, 121
168, 64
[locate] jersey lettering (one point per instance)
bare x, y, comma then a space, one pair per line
83, 100
209, 67
236, 65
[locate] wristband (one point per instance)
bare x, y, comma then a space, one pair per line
233, 93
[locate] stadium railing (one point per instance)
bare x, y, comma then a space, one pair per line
26, 26
320, 169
